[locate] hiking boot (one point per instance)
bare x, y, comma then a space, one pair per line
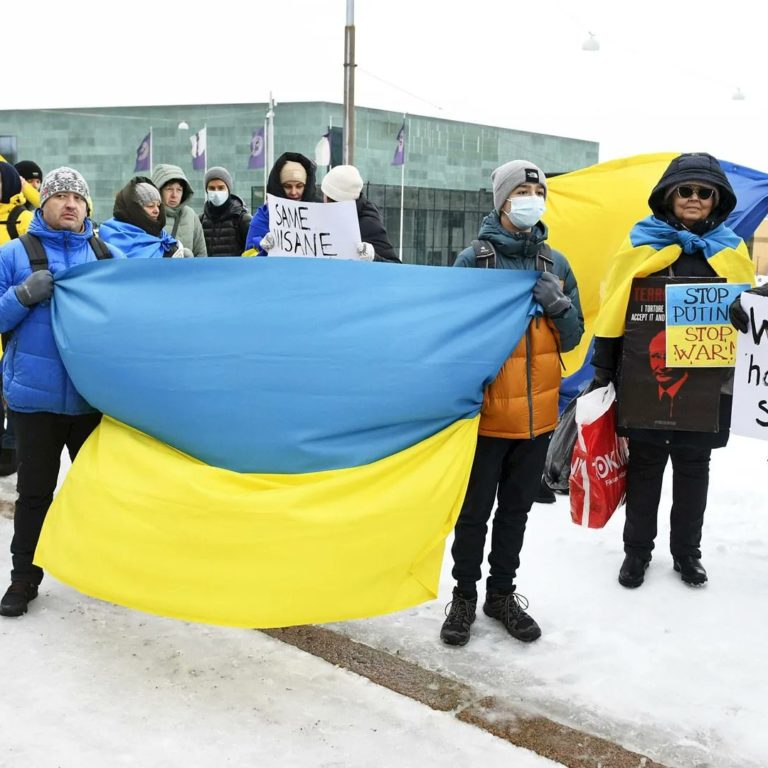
14, 602
460, 613
691, 570
545, 495
509, 609
8, 461
632, 573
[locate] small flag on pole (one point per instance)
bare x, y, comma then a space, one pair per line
323, 151
256, 158
198, 149
144, 154
399, 158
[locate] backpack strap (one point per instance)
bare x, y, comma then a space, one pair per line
38, 259
544, 260
13, 218
485, 254
99, 247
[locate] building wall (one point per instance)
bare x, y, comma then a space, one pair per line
440, 153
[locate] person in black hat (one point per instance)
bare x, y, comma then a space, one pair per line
685, 237
31, 178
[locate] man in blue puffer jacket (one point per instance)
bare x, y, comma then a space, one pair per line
48, 411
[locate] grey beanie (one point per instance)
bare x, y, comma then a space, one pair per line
63, 179
512, 174
146, 193
217, 172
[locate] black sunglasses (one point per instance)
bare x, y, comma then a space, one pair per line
687, 190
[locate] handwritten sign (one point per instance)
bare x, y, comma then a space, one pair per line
699, 331
750, 386
313, 230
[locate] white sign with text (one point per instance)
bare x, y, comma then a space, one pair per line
750, 385
313, 230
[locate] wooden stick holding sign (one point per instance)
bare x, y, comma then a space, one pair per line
313, 230
750, 386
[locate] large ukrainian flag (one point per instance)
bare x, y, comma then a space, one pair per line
287, 440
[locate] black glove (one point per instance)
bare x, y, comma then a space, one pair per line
549, 294
601, 378
739, 318
36, 288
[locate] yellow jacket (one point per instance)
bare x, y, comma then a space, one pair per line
22, 223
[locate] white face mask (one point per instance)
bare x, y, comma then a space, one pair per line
526, 210
217, 197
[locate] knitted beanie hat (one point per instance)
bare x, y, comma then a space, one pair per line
217, 172
29, 170
63, 180
146, 193
343, 182
292, 171
512, 174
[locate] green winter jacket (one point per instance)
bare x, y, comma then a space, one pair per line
181, 222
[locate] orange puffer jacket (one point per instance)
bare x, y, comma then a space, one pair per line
521, 402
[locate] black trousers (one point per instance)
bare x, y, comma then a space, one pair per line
690, 483
511, 470
40, 439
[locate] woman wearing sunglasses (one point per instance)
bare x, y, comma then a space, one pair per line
685, 237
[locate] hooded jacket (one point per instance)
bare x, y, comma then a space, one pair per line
522, 401
260, 222
182, 222
11, 198
659, 245
133, 231
34, 377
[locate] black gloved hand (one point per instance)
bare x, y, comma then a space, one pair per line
549, 294
739, 317
36, 288
601, 378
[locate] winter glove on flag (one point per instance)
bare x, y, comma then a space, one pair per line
36, 288
549, 294
365, 252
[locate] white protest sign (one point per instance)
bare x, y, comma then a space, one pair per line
750, 386
314, 230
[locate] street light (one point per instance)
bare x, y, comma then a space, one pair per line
738, 95
183, 126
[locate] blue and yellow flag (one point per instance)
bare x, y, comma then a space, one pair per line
286, 441
590, 213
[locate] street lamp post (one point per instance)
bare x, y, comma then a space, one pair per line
349, 85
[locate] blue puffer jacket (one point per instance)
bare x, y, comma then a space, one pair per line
34, 377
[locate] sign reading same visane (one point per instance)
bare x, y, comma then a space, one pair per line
313, 230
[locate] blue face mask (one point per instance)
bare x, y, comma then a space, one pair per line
526, 210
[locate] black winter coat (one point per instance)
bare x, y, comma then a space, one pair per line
225, 227
372, 230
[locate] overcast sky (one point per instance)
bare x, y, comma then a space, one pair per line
663, 79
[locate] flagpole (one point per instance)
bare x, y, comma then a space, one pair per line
402, 190
264, 157
270, 132
205, 155
151, 149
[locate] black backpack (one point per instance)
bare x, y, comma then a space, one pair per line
38, 260
13, 218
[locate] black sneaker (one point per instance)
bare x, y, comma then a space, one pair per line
691, 570
632, 572
460, 613
14, 602
509, 609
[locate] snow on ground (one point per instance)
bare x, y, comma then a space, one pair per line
673, 672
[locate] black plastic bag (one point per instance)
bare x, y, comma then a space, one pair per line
557, 468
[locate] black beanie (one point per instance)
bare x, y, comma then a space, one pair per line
10, 181
28, 169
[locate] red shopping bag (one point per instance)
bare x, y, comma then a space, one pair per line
598, 478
